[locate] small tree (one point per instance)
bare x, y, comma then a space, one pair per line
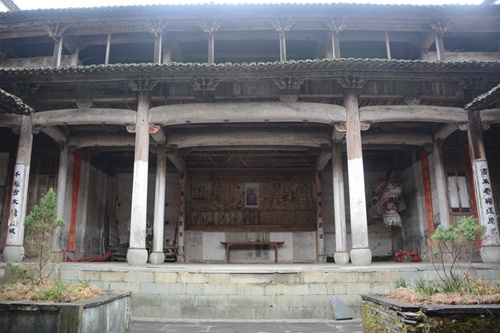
449, 245
39, 231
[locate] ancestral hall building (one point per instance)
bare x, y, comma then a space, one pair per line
348, 132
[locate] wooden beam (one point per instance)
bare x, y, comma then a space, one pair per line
419, 113
246, 112
109, 140
84, 117
414, 139
255, 138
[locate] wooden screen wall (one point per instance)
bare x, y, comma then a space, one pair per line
216, 200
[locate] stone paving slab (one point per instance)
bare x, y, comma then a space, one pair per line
350, 326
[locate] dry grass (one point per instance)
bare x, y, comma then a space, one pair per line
56, 292
408, 295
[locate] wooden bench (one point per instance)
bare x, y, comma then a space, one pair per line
229, 244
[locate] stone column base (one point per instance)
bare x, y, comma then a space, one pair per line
361, 257
13, 253
489, 254
341, 257
157, 258
137, 257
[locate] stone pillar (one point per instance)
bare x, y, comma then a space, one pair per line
319, 220
62, 178
490, 250
137, 254
360, 252
14, 249
441, 185
341, 255
157, 257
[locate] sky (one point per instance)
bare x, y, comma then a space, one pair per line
41, 4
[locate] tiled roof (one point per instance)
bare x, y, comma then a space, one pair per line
13, 104
318, 64
485, 100
140, 9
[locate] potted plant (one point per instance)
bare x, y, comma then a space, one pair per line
453, 303
35, 302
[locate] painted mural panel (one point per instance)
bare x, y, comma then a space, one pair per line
254, 200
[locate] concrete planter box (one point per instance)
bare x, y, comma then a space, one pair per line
108, 313
381, 314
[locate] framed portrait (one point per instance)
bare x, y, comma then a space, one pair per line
252, 195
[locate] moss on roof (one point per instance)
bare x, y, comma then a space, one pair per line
13, 104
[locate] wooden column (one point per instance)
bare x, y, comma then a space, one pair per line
336, 25
211, 47
58, 46
157, 257
441, 185
137, 254
440, 47
282, 45
388, 46
360, 252
14, 250
210, 27
62, 179
158, 47
490, 250
108, 47
181, 220
341, 255
282, 26
319, 220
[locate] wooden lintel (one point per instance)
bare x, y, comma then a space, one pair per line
176, 159
55, 133
323, 159
339, 132
444, 131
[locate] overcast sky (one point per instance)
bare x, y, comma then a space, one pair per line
38, 4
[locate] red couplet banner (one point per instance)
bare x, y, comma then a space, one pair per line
77, 166
424, 160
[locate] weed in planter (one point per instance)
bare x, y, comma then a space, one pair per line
30, 282
448, 245
39, 228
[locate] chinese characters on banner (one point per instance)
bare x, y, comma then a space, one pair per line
16, 206
486, 206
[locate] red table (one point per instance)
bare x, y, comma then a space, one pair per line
229, 244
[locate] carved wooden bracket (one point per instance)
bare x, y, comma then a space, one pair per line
156, 27
210, 26
282, 25
336, 24
84, 103
143, 84
441, 26
412, 100
352, 82
289, 83
24, 90
55, 31
204, 84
